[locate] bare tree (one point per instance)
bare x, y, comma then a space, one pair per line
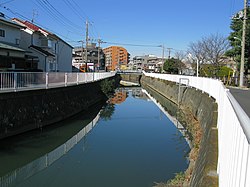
181, 56
209, 49
196, 50
215, 47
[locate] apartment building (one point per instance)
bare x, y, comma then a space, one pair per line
93, 64
149, 63
117, 58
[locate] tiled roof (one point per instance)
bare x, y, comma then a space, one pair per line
38, 29
32, 26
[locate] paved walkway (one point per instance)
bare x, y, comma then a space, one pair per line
243, 98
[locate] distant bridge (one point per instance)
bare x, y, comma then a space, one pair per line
129, 72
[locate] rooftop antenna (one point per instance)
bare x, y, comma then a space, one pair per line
35, 13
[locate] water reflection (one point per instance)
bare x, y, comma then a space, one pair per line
119, 96
18, 175
178, 125
134, 144
170, 110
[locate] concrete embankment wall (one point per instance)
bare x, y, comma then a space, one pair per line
199, 116
28, 110
133, 77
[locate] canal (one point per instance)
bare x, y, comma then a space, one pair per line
127, 142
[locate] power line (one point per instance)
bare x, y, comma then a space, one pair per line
77, 10
6, 2
135, 45
232, 7
61, 15
56, 15
74, 10
28, 19
15, 13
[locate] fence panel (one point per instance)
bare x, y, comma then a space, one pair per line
21, 81
233, 130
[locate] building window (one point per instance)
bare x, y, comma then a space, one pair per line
46, 43
2, 33
17, 41
50, 44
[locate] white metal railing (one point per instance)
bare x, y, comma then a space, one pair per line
233, 130
20, 81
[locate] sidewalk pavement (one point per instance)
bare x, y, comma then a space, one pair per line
243, 98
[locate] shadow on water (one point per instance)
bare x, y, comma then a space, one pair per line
24, 155
140, 132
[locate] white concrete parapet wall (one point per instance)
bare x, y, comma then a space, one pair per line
233, 130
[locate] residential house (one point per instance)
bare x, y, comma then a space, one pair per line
12, 57
52, 54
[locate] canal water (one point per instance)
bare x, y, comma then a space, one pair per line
129, 142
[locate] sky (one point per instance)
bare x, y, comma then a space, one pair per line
146, 23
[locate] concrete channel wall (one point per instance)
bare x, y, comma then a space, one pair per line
198, 113
199, 107
28, 110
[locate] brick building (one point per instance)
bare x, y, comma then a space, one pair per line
116, 58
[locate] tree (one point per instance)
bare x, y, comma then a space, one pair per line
209, 70
235, 39
107, 112
210, 49
181, 56
172, 65
215, 47
196, 50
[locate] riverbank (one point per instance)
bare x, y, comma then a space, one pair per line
28, 110
198, 113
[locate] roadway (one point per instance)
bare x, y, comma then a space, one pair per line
243, 98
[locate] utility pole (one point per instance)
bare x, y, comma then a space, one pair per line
169, 52
163, 50
87, 40
99, 46
82, 54
243, 42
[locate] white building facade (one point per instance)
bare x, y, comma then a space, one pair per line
50, 52
11, 55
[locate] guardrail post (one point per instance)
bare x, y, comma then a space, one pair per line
15, 82
66, 79
47, 80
